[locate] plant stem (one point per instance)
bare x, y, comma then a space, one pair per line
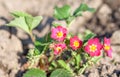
32, 37
85, 66
83, 69
73, 56
70, 20
45, 48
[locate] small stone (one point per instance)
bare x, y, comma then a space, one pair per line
103, 14
104, 70
3, 74
93, 73
114, 75
115, 39
114, 4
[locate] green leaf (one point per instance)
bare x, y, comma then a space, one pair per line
82, 8
56, 24
77, 60
60, 73
33, 22
48, 38
91, 10
54, 64
80, 36
69, 20
40, 49
36, 52
41, 44
28, 21
51, 68
74, 53
19, 22
20, 14
34, 73
62, 12
91, 35
69, 35
25, 21
64, 65
96, 59
36, 21
88, 36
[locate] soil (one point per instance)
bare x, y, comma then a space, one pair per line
14, 42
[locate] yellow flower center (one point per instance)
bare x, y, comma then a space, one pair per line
59, 49
106, 47
60, 34
93, 48
76, 43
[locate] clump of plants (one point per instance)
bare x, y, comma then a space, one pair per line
60, 53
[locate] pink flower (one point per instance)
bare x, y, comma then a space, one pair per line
107, 48
93, 47
75, 43
59, 33
59, 48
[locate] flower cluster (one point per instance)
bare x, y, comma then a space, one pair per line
93, 46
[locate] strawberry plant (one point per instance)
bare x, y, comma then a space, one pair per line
60, 53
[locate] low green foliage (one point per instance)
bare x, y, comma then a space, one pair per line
35, 73
82, 8
87, 37
65, 66
62, 12
65, 13
60, 73
77, 60
25, 21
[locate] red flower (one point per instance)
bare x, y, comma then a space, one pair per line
59, 33
75, 43
93, 47
59, 48
107, 48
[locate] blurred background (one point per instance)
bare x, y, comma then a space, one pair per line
14, 42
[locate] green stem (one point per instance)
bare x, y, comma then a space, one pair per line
32, 37
52, 57
45, 44
70, 20
83, 68
45, 48
73, 56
